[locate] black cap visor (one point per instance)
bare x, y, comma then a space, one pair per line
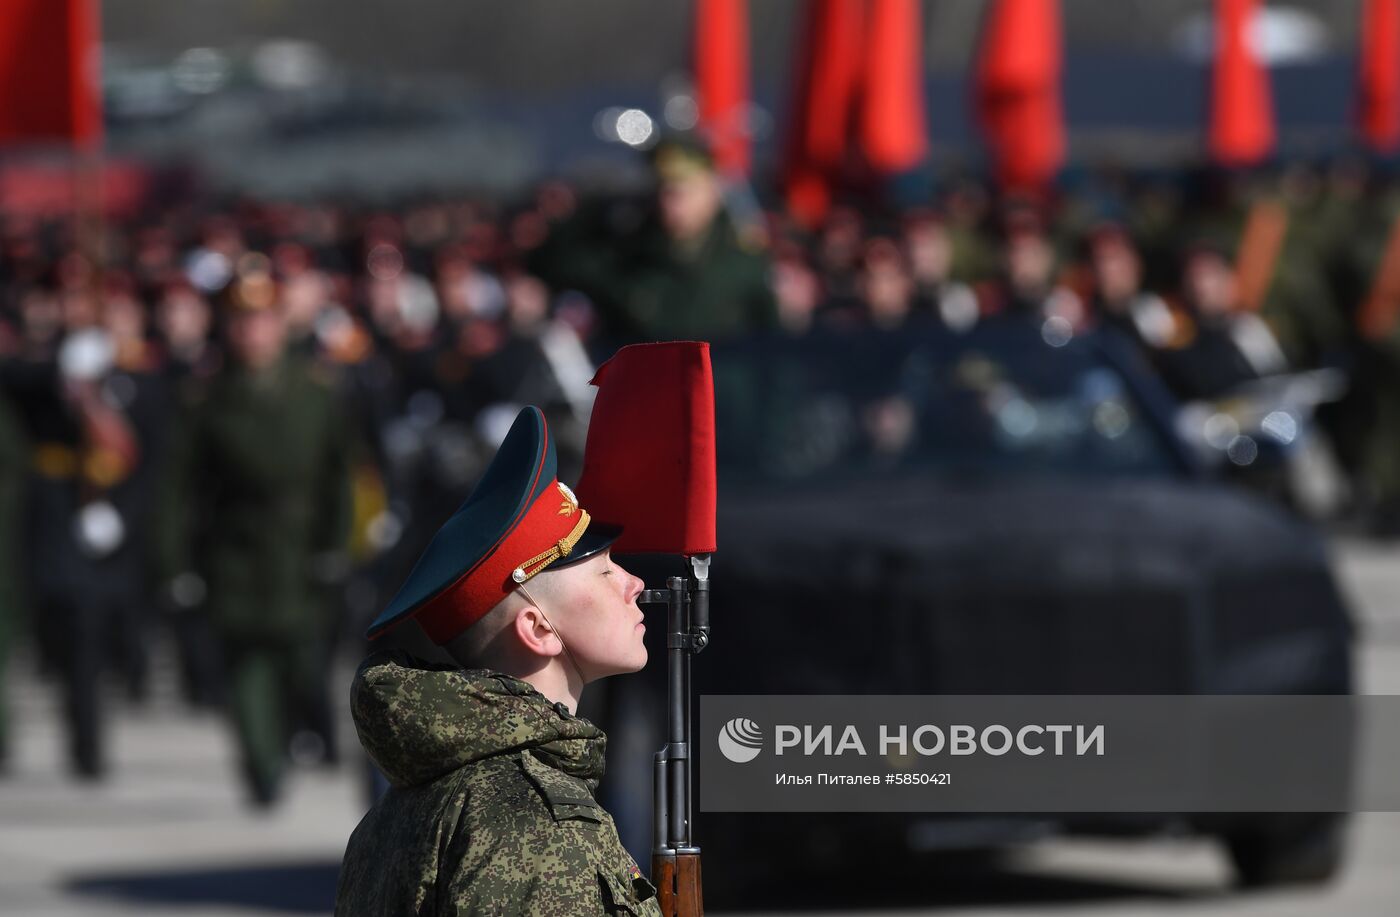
596, 538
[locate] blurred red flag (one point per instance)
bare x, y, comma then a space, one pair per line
1378, 77
1241, 111
722, 80
1018, 91
828, 76
50, 85
893, 132
649, 464
859, 78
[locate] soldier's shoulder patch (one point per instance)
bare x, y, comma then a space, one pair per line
565, 796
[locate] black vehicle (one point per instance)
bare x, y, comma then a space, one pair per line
1002, 512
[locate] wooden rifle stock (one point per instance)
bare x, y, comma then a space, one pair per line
677, 880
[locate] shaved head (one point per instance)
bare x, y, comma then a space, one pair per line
480, 646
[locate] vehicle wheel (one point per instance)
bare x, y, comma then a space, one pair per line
1292, 849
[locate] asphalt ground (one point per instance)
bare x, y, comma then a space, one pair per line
168, 831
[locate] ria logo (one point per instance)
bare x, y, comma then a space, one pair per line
740, 740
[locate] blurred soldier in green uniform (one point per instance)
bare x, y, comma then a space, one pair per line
255, 515
1287, 283
1368, 419
686, 271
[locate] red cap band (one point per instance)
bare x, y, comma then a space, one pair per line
549, 521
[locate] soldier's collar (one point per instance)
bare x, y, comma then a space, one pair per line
521, 688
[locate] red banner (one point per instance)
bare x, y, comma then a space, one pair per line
893, 128
50, 82
1241, 110
828, 74
49, 188
722, 80
1378, 77
1018, 91
859, 78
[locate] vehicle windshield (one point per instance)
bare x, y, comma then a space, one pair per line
997, 400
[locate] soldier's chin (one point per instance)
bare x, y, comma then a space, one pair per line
626, 666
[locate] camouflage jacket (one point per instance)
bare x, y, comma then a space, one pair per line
491, 809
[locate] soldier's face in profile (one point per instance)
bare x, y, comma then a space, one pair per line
594, 603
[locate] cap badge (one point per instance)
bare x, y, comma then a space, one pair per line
570, 504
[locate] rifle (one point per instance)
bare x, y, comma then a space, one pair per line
651, 442
675, 858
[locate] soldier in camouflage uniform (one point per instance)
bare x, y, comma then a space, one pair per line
491, 807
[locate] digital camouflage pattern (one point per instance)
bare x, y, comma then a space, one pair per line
491, 809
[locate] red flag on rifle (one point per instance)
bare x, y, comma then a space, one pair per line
50, 84
649, 464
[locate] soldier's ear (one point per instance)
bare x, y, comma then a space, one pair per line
534, 631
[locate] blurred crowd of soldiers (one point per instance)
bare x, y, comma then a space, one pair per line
241, 431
